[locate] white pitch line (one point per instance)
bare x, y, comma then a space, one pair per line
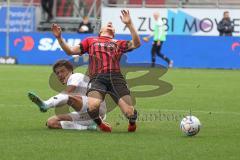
194, 111
14, 105
149, 110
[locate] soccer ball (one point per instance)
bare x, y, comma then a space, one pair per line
190, 125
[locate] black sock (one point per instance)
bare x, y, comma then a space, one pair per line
94, 114
133, 118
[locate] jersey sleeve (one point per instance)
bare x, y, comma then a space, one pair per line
123, 45
84, 45
74, 80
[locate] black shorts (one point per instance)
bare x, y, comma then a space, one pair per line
113, 84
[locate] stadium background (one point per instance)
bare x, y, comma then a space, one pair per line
192, 40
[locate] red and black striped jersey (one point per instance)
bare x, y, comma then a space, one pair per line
104, 54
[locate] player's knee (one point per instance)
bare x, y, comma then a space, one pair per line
94, 100
52, 123
93, 104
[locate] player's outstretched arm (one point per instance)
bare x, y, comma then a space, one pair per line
57, 32
146, 38
126, 19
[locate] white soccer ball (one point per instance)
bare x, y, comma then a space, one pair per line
190, 125
85, 28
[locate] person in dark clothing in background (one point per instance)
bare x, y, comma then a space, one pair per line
225, 26
85, 26
47, 6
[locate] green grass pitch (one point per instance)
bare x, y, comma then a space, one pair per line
213, 96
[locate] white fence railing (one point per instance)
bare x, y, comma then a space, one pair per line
173, 3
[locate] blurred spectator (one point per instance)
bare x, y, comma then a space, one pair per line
85, 26
225, 26
47, 6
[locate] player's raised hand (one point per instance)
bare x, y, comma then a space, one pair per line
125, 17
56, 30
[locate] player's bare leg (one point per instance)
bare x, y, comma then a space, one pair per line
94, 100
65, 121
125, 104
54, 122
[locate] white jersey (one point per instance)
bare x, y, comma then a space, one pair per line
80, 81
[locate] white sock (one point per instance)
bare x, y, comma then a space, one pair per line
57, 100
72, 125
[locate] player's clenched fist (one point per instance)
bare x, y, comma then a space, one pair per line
56, 30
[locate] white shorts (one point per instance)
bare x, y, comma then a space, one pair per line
82, 116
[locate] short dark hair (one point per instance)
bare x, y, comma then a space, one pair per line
64, 63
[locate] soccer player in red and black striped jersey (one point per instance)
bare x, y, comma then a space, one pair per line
104, 69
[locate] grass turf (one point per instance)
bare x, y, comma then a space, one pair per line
213, 96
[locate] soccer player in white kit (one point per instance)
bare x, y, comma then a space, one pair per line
74, 95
